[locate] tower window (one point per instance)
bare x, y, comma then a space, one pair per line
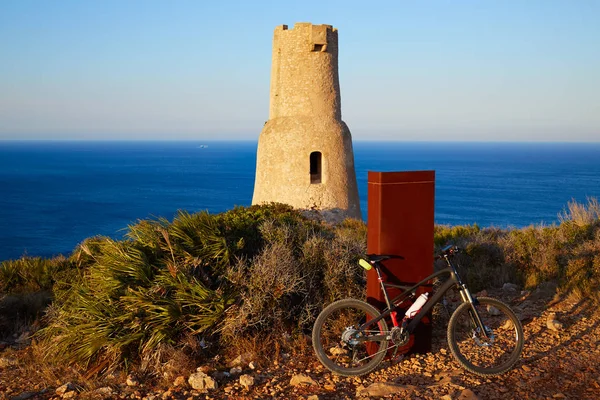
315, 167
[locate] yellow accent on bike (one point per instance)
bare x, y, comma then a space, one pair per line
365, 264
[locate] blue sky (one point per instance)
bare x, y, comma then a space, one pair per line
409, 70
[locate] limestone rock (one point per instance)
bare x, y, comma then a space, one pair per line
510, 287
132, 381
300, 379
467, 394
382, 389
104, 392
235, 371
553, 324
67, 387
179, 381
246, 381
360, 389
242, 359
201, 381
69, 395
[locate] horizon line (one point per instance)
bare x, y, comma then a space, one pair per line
130, 140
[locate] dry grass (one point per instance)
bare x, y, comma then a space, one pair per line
581, 214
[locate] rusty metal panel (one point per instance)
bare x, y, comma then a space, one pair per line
401, 221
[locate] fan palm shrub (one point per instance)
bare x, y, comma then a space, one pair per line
138, 293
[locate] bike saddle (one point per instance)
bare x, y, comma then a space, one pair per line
382, 257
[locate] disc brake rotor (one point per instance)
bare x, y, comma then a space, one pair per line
349, 336
487, 342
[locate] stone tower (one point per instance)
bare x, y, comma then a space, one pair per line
305, 155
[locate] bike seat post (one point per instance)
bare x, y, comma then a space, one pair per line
380, 279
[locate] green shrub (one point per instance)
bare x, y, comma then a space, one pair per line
30, 274
241, 226
126, 304
444, 234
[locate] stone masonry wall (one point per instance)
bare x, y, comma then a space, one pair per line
304, 72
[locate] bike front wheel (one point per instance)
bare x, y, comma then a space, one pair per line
487, 354
341, 346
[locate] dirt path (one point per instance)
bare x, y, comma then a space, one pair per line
555, 365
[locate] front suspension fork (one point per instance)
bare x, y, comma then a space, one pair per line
466, 297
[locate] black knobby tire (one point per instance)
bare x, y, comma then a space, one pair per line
473, 351
339, 356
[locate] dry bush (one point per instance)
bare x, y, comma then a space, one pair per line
581, 275
268, 287
482, 262
19, 313
581, 214
285, 286
276, 286
535, 253
47, 373
169, 361
343, 276
260, 347
568, 253
485, 265
458, 235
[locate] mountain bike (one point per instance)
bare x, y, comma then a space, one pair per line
351, 337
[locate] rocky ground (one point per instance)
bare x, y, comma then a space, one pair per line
561, 360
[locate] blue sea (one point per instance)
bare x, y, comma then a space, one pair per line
53, 195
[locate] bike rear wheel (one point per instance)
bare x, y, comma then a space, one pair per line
486, 356
341, 346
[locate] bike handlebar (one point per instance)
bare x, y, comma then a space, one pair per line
448, 251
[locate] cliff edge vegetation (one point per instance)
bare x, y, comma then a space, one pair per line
205, 286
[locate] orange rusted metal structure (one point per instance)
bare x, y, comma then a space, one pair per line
401, 221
